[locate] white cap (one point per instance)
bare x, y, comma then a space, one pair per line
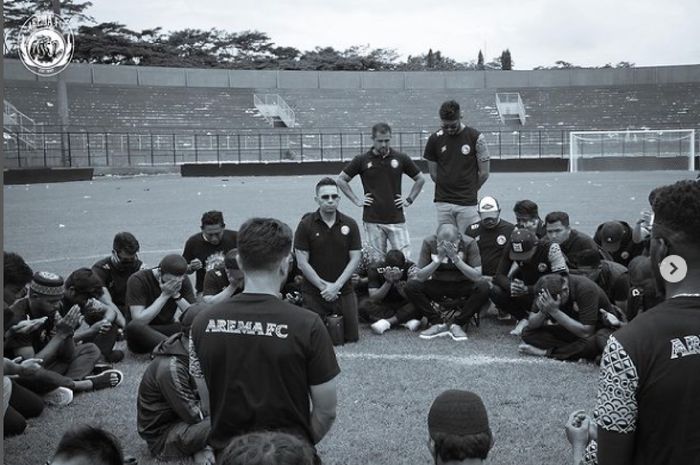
488, 204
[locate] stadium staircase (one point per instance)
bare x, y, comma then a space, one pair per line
275, 110
17, 124
510, 108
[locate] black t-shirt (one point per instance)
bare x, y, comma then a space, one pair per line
467, 250
547, 259
329, 248
614, 280
649, 383
259, 356
457, 180
586, 298
575, 244
628, 248
114, 277
381, 176
209, 254
492, 243
375, 279
36, 339
143, 289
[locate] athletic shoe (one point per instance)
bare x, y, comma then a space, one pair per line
106, 379
59, 397
380, 326
413, 325
457, 333
438, 330
518, 330
115, 356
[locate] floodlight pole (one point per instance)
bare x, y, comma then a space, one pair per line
62, 97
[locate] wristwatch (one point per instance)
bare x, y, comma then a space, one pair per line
409, 200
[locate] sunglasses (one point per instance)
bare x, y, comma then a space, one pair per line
330, 196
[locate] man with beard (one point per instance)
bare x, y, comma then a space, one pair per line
203, 251
114, 271
458, 162
381, 171
647, 406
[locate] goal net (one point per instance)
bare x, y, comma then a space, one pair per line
664, 149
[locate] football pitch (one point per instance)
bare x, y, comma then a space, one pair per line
387, 382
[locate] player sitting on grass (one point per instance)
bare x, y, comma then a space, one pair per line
67, 366
114, 271
612, 277
615, 238
565, 319
459, 430
571, 241
513, 289
224, 280
387, 305
157, 298
449, 270
171, 418
103, 319
643, 293
87, 445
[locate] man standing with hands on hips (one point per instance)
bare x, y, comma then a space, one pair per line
458, 161
381, 170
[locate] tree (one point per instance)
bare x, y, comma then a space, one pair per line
17, 12
430, 60
506, 61
480, 61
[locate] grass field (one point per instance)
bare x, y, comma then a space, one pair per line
387, 383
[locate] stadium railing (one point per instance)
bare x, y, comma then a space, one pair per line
90, 148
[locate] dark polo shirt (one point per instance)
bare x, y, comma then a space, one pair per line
328, 248
492, 243
381, 177
457, 179
548, 258
575, 244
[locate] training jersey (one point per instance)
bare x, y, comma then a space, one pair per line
468, 251
259, 356
209, 254
457, 179
648, 386
114, 277
143, 289
492, 243
575, 244
381, 177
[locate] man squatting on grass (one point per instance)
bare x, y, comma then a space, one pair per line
648, 406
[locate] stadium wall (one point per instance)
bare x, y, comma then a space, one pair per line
270, 79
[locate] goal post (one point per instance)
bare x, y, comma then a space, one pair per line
632, 150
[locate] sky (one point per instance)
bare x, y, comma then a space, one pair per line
537, 32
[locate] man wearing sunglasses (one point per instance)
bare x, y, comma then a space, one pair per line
458, 161
327, 246
381, 170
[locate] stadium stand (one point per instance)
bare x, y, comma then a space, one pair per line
139, 107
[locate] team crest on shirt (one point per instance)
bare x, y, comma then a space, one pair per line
394, 163
625, 255
369, 165
443, 149
345, 230
542, 267
500, 240
466, 149
636, 293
